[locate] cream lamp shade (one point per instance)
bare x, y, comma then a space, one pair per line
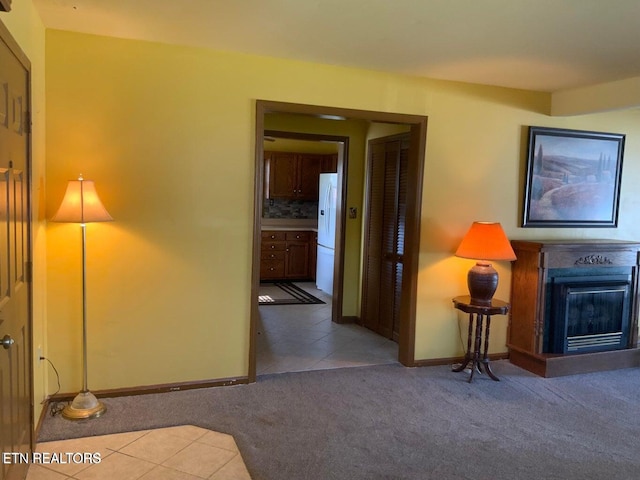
81, 204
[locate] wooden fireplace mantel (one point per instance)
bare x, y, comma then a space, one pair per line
530, 302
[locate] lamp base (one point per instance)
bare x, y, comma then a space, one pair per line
482, 281
84, 405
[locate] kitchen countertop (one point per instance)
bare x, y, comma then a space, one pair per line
289, 229
287, 224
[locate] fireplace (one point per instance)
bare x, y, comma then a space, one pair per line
589, 314
574, 306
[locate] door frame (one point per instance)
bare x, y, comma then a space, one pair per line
14, 47
417, 149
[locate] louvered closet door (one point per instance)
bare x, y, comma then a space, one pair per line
396, 256
370, 314
384, 249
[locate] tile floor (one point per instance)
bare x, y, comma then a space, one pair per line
294, 338
175, 453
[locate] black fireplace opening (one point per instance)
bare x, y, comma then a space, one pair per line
589, 314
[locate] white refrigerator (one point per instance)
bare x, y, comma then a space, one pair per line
328, 192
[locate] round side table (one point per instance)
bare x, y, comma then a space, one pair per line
478, 313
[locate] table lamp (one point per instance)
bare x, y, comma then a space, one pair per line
82, 205
483, 242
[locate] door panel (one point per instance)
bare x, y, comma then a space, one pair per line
308, 174
297, 260
373, 242
15, 360
384, 248
281, 168
4, 235
389, 238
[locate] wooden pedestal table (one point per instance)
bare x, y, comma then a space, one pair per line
479, 363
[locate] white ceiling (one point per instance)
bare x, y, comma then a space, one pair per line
544, 45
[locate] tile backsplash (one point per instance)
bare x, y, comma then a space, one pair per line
282, 208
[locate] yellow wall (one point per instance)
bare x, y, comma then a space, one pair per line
28, 31
167, 133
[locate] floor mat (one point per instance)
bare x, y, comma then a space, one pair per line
284, 293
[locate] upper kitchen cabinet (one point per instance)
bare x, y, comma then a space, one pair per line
329, 163
293, 175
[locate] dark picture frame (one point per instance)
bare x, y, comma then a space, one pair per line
573, 178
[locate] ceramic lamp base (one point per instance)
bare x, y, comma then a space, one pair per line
482, 281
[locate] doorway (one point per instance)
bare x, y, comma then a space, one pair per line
303, 191
340, 167
417, 126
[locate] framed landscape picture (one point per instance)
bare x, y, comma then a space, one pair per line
573, 178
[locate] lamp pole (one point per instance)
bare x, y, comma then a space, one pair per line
83, 227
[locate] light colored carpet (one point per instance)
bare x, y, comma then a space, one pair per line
392, 422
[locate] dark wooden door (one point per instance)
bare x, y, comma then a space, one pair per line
384, 241
15, 352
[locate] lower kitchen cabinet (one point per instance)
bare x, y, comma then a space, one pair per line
287, 255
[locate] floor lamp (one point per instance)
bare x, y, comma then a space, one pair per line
82, 205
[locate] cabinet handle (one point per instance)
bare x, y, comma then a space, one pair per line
297, 236
272, 247
271, 269
273, 236
287, 249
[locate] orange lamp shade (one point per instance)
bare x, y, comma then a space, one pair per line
81, 204
483, 242
486, 241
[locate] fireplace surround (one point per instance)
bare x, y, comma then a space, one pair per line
574, 306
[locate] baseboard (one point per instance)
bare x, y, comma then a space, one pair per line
38, 426
160, 388
450, 360
349, 319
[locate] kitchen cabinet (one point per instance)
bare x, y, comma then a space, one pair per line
296, 260
272, 255
287, 255
329, 163
294, 176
